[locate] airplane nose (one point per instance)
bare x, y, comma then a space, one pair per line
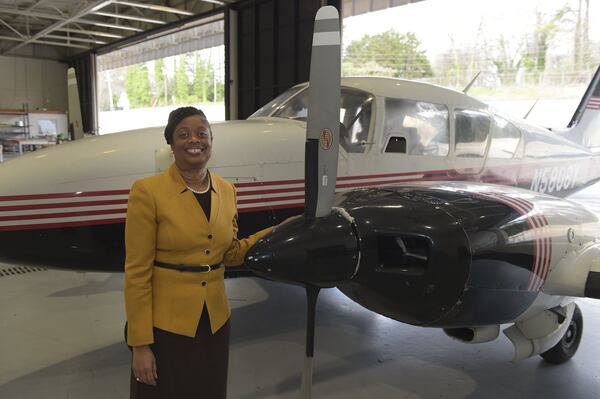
320, 252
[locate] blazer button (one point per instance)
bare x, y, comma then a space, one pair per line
210, 236
203, 283
207, 251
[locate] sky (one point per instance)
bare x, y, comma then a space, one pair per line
435, 21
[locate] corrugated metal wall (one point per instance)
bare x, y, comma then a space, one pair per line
274, 45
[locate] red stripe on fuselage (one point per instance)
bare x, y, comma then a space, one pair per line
44, 226
62, 215
63, 195
61, 205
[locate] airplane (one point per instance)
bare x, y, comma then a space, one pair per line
450, 215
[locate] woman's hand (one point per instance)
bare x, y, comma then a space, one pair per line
286, 221
144, 365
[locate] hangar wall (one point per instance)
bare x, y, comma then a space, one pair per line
273, 49
37, 82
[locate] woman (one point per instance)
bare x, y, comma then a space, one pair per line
180, 233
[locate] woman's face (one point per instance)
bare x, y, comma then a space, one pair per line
192, 142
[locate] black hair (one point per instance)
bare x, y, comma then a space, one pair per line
176, 116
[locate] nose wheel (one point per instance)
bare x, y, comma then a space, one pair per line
566, 348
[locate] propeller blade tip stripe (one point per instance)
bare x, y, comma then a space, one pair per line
326, 39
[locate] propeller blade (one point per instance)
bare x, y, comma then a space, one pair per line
323, 125
312, 293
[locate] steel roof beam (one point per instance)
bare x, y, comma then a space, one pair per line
107, 25
130, 17
11, 28
75, 39
91, 32
37, 14
95, 6
154, 7
16, 39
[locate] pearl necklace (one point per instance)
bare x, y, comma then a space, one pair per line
198, 191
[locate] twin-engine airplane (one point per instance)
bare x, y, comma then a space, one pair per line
446, 213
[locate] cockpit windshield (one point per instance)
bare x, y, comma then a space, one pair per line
355, 113
269, 108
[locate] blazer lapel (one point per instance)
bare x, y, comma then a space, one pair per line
188, 198
215, 201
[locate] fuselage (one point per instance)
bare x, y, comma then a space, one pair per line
66, 206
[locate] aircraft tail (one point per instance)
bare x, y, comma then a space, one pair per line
584, 128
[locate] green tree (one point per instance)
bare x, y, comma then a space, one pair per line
182, 84
507, 60
200, 88
137, 85
546, 28
581, 53
369, 68
209, 81
204, 85
159, 81
220, 91
391, 51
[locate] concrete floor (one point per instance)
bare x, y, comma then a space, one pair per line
61, 337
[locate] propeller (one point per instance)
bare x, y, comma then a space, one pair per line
321, 149
321, 249
323, 125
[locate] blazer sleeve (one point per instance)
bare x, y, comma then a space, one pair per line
140, 249
237, 250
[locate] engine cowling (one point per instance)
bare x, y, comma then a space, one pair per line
459, 254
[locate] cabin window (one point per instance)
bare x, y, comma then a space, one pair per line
471, 133
355, 119
505, 139
355, 116
415, 128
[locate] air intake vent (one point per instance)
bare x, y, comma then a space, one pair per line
403, 254
13, 271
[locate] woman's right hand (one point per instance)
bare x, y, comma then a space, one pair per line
144, 365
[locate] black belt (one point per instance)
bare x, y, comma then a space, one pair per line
189, 268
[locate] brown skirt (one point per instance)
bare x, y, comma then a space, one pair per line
188, 368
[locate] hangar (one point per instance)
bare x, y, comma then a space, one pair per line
62, 330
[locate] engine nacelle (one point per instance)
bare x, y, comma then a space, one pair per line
459, 254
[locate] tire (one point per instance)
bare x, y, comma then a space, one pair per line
566, 348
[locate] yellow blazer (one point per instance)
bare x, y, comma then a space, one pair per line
165, 222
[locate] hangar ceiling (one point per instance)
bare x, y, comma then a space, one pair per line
63, 28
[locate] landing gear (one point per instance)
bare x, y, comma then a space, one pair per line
568, 344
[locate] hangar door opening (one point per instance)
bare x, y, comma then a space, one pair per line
139, 85
549, 52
